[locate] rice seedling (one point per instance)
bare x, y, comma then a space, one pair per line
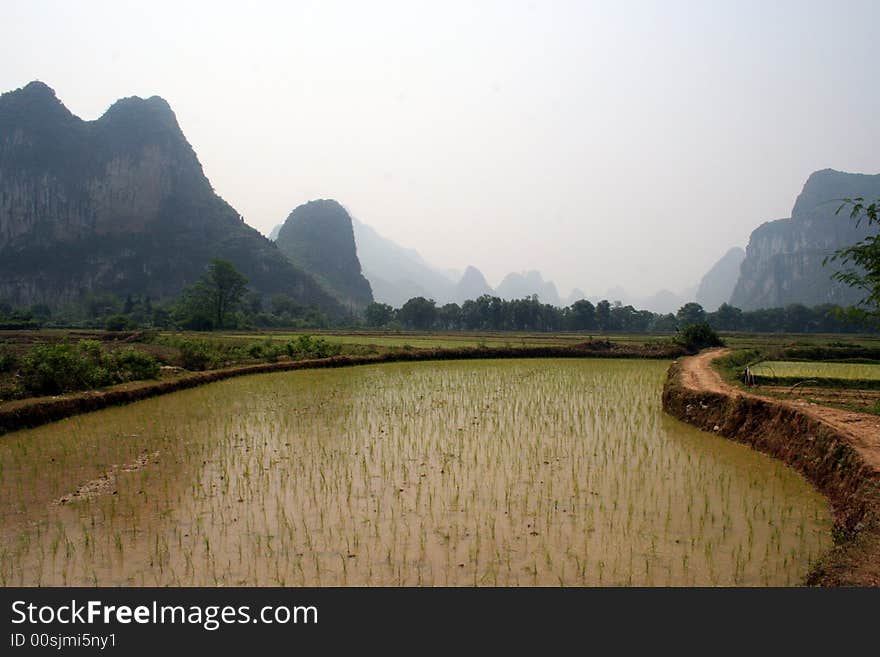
804, 370
519, 472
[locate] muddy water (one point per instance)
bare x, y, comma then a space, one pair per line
533, 472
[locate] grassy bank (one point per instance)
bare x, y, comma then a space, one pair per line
33, 411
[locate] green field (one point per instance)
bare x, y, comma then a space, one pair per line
430, 340
506, 472
789, 370
442, 340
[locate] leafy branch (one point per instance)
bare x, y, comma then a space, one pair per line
862, 260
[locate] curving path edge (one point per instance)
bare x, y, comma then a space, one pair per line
837, 451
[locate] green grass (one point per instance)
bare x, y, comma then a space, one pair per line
430, 340
842, 381
816, 370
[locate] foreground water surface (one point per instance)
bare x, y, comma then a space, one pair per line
515, 472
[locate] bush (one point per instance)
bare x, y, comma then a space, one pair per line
198, 322
694, 337
119, 323
306, 346
198, 354
7, 360
134, 365
50, 369
272, 350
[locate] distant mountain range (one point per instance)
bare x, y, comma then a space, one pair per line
717, 284
397, 274
526, 284
121, 205
472, 285
118, 205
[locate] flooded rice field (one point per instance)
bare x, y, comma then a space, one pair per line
519, 472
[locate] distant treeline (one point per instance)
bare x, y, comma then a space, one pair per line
108, 311
487, 313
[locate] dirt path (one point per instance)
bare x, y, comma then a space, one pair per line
861, 429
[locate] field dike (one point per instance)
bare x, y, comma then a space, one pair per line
819, 452
33, 412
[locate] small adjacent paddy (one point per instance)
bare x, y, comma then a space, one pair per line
781, 369
515, 472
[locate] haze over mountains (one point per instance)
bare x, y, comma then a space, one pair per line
397, 274
518, 285
121, 205
717, 284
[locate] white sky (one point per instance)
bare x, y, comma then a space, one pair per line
605, 143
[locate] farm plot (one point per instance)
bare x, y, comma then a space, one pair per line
850, 374
517, 472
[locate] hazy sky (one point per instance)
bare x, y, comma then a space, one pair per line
604, 143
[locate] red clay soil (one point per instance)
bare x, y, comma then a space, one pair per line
837, 450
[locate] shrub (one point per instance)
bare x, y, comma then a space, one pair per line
134, 365
7, 360
267, 349
49, 369
272, 350
306, 346
197, 354
694, 337
119, 323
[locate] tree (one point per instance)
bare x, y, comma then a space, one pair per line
726, 318
603, 315
378, 314
690, 313
582, 316
865, 256
797, 318
664, 323
226, 286
418, 313
161, 317
698, 336
449, 316
211, 301
282, 304
119, 323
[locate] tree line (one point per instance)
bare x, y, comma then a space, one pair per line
221, 300
490, 313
